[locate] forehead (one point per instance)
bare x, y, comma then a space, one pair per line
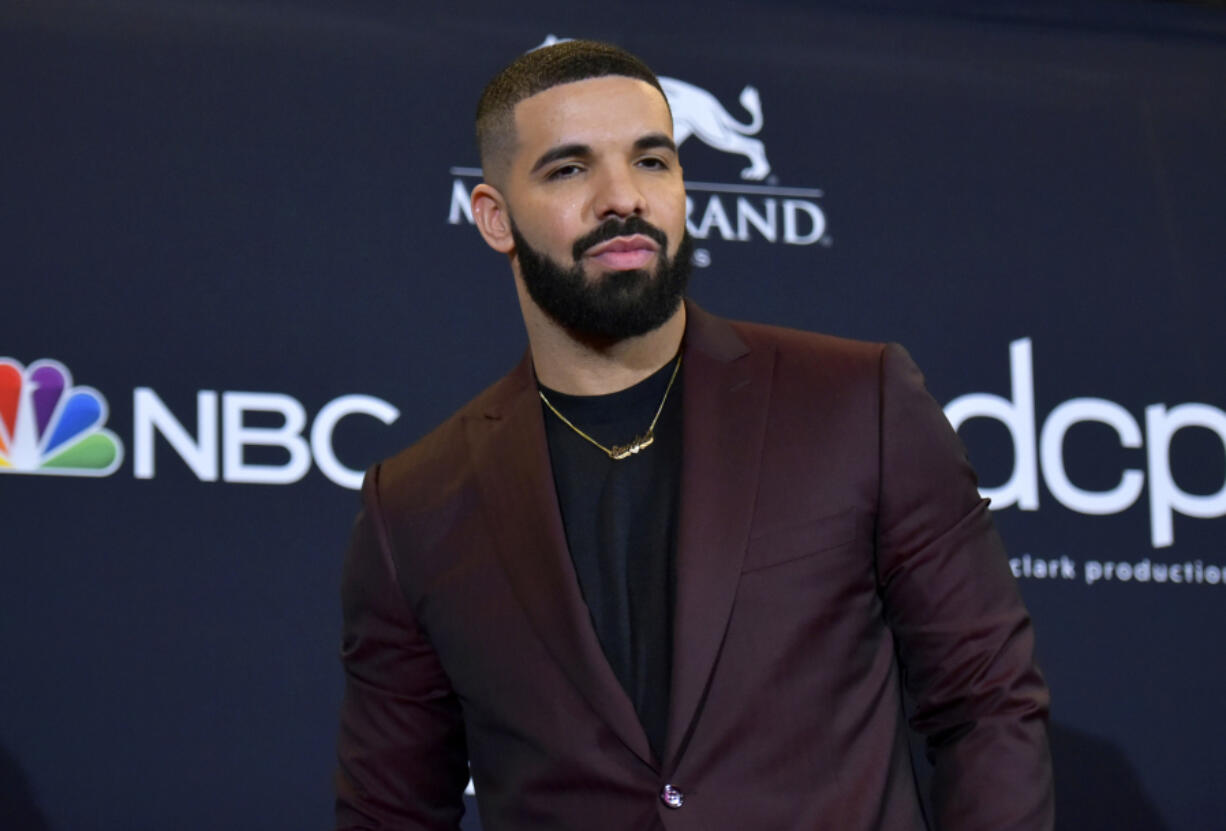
609, 108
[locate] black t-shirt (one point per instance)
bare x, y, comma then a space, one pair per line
620, 520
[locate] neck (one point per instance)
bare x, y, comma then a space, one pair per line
580, 367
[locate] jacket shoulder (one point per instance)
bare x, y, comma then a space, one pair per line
433, 467
817, 358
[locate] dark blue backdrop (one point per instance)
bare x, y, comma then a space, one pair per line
200, 200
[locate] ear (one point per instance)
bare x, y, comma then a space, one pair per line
491, 218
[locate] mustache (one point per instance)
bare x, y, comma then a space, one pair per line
614, 227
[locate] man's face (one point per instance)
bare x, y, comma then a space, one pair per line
597, 206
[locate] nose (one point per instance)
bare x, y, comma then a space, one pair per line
618, 193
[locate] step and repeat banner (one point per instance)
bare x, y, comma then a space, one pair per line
239, 266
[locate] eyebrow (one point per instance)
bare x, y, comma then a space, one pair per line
654, 140
575, 150
563, 151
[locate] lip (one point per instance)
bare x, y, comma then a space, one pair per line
637, 242
624, 252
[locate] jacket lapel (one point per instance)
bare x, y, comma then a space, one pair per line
726, 393
511, 459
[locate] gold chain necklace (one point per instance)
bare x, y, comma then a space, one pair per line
621, 451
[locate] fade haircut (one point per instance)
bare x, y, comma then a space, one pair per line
537, 71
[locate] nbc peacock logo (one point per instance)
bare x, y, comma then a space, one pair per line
49, 426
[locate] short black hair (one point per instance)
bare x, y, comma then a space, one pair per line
537, 71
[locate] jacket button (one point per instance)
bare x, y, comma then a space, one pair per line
672, 797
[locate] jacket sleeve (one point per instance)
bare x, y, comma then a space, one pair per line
401, 752
964, 638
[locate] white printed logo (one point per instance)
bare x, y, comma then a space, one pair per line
697, 112
1039, 445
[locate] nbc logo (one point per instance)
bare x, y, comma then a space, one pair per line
49, 426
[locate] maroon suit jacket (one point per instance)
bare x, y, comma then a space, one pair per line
832, 550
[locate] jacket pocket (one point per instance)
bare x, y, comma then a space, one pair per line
792, 542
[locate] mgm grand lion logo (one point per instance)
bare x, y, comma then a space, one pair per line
754, 209
698, 113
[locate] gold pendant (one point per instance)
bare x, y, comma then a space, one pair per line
623, 451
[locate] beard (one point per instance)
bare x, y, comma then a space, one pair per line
614, 305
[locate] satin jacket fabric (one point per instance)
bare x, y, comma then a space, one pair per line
832, 550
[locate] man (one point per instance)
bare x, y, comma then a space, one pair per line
673, 571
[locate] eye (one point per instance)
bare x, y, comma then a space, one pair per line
653, 163
564, 171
